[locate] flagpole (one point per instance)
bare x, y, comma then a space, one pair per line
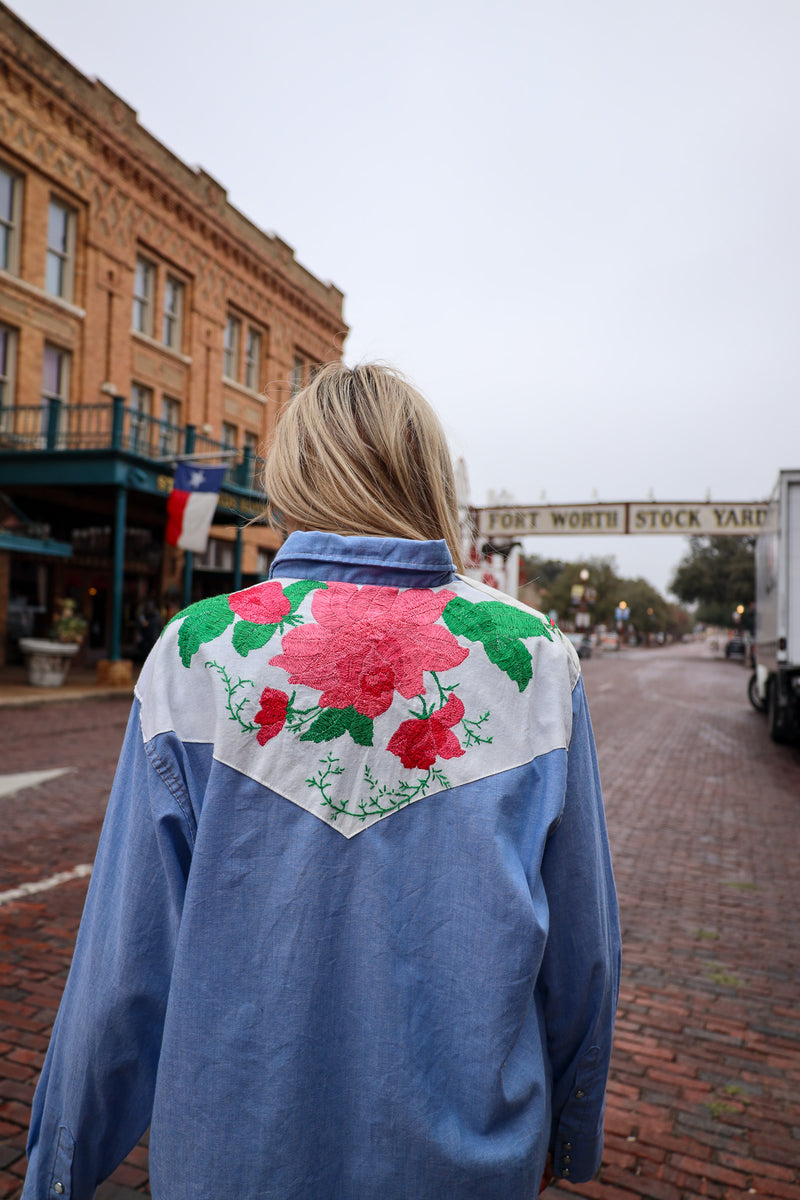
188, 555
188, 564
237, 560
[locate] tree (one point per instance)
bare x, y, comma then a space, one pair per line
602, 578
718, 574
650, 612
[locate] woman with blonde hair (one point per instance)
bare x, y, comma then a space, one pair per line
352, 929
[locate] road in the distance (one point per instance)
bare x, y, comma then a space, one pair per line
704, 819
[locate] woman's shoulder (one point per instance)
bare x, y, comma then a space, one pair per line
501, 616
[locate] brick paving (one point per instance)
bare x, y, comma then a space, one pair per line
704, 817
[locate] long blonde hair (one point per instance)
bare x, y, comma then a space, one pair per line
360, 451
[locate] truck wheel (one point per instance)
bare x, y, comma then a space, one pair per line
752, 694
776, 718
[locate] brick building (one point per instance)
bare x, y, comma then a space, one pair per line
141, 316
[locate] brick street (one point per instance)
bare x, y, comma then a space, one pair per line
704, 818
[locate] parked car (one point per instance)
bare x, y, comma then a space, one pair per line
737, 646
582, 643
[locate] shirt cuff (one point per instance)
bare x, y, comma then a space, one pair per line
577, 1146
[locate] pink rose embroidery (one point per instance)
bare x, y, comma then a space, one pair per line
264, 604
369, 642
420, 741
272, 714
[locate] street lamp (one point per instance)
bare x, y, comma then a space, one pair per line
582, 616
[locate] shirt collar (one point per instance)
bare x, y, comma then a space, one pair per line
390, 562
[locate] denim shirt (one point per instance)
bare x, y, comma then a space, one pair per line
352, 928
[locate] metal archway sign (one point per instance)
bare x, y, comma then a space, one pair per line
686, 518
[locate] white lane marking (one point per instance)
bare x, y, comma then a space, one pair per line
44, 885
26, 779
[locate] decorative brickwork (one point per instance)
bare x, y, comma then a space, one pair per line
66, 137
136, 294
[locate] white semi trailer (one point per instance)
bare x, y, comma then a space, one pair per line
777, 682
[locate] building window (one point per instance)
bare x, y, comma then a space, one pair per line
60, 250
233, 338
55, 374
7, 348
6, 363
250, 446
173, 313
170, 426
264, 561
10, 193
230, 435
218, 556
144, 281
298, 368
141, 410
252, 359
55, 394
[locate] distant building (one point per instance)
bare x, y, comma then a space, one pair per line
126, 273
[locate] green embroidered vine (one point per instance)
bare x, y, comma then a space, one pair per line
384, 799
297, 718
443, 689
471, 729
234, 710
330, 768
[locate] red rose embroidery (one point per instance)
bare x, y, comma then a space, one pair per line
264, 604
369, 642
272, 714
420, 741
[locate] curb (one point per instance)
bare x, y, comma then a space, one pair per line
19, 698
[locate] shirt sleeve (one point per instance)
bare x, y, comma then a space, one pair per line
579, 979
94, 1098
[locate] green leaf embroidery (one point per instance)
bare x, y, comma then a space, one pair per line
333, 722
247, 636
499, 627
296, 592
202, 622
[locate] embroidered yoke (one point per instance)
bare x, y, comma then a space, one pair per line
352, 929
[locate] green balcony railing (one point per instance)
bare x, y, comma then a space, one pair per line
115, 426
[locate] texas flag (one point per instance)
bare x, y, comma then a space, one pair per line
191, 505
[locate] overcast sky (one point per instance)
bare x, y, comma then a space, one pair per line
575, 224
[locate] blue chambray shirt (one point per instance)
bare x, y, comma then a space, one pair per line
417, 1010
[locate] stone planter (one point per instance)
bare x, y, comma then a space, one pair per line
48, 662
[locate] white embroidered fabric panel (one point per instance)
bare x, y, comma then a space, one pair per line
355, 701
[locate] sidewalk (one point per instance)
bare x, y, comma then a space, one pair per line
81, 684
